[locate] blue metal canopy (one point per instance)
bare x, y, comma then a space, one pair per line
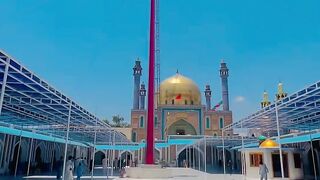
29, 103
296, 113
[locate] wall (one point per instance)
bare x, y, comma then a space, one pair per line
253, 172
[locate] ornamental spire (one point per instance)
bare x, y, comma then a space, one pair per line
281, 94
265, 101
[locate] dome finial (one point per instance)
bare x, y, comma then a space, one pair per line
281, 94
265, 101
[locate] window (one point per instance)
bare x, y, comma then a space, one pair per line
207, 123
166, 102
255, 159
155, 122
221, 123
134, 137
297, 160
141, 123
215, 134
185, 102
172, 101
191, 102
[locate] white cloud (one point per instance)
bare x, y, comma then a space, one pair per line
240, 99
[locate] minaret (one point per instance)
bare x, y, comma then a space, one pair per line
281, 94
207, 94
265, 101
137, 72
142, 96
224, 73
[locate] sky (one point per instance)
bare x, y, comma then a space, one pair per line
87, 49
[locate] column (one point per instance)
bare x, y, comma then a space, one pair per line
66, 144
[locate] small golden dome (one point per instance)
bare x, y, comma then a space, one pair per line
179, 90
269, 144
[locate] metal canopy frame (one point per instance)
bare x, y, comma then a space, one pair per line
29, 103
297, 112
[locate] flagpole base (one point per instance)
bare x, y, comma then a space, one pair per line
147, 171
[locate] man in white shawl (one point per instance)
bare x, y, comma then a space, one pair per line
263, 171
69, 169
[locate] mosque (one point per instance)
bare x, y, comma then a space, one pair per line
179, 109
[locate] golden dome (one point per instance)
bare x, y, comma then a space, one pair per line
269, 144
179, 90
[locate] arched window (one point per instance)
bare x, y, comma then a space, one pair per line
172, 102
141, 123
191, 102
134, 137
215, 134
207, 123
155, 121
166, 101
185, 102
221, 123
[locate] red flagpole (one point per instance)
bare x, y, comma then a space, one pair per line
150, 135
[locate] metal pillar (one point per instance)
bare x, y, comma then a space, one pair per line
199, 157
113, 150
177, 165
94, 148
313, 161
243, 159
139, 156
108, 155
169, 154
193, 157
187, 156
211, 154
4, 83
66, 144
29, 160
223, 154
150, 124
190, 158
205, 154
18, 155
53, 155
278, 137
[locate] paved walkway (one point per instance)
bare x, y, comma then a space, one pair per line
189, 174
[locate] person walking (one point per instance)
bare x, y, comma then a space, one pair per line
230, 167
80, 169
69, 169
263, 171
59, 167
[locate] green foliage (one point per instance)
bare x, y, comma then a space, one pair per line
117, 121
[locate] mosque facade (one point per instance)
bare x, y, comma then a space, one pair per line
179, 107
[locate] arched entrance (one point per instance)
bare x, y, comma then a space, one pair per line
12, 164
126, 158
181, 127
191, 156
98, 157
38, 160
311, 160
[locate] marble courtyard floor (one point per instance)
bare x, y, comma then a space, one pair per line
189, 174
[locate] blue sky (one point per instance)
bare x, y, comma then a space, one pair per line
87, 49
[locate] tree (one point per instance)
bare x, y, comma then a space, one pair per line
106, 121
117, 120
